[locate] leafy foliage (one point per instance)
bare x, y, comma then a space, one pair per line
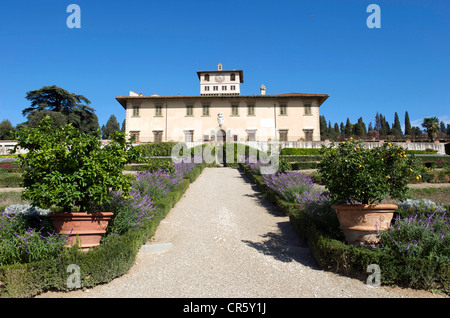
68, 168
54, 99
354, 174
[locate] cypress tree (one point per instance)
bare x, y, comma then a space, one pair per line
408, 130
396, 127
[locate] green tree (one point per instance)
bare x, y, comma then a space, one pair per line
323, 127
336, 129
396, 127
384, 125
5, 130
431, 126
35, 117
348, 127
73, 106
112, 125
442, 127
408, 130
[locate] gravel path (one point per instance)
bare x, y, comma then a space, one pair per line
221, 240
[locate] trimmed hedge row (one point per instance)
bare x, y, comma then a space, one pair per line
332, 254
99, 265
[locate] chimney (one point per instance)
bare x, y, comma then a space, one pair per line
263, 90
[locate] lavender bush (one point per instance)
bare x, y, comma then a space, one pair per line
130, 212
424, 234
295, 187
27, 236
148, 187
156, 184
183, 168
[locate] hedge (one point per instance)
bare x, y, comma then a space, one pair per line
156, 149
300, 151
332, 254
101, 264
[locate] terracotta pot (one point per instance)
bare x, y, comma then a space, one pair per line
87, 228
360, 223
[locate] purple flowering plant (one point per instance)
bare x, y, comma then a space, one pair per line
423, 235
26, 236
295, 187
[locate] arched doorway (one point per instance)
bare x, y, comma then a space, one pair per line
221, 136
220, 141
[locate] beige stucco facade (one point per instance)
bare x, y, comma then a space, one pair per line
284, 117
262, 117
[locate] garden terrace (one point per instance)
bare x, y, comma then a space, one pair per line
316, 222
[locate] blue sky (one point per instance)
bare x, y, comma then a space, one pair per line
314, 46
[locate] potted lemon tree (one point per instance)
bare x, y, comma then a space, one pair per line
358, 179
71, 172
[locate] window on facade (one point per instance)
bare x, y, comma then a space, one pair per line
283, 135
135, 111
215, 88
189, 110
232, 77
189, 136
206, 88
158, 110
235, 137
134, 136
308, 134
251, 135
232, 87
307, 109
205, 137
283, 109
235, 110
206, 77
251, 110
205, 110
157, 135
224, 88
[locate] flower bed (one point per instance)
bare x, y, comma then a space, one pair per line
135, 221
413, 253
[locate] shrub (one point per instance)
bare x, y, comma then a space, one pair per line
419, 235
155, 164
67, 168
355, 174
300, 151
294, 187
155, 184
159, 149
129, 213
26, 235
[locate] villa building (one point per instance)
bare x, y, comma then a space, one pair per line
221, 113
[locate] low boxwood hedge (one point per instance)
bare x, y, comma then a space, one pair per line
99, 265
333, 254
